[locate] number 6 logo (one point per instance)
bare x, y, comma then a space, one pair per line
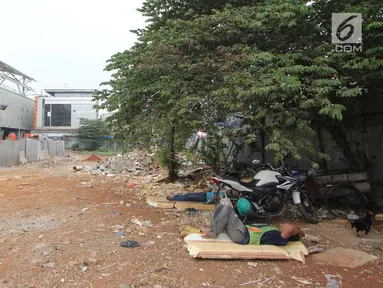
346, 28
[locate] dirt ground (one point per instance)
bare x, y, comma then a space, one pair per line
58, 229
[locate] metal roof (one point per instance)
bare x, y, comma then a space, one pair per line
4, 67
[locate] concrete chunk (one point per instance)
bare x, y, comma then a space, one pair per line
23, 159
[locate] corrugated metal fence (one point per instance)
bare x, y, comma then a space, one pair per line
28, 150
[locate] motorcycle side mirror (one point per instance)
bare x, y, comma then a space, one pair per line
256, 161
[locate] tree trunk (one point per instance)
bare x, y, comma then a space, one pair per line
172, 157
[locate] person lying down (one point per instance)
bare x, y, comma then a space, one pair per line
226, 220
195, 197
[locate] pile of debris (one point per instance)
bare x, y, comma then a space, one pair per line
134, 163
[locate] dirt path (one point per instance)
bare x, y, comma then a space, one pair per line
55, 222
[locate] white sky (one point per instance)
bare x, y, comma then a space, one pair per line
65, 43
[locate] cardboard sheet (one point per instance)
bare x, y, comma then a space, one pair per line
379, 217
224, 248
162, 202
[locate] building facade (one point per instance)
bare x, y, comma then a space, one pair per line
16, 109
58, 113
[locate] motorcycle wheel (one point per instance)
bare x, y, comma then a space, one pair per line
307, 209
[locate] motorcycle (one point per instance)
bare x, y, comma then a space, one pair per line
269, 191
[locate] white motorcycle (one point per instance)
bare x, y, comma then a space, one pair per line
269, 191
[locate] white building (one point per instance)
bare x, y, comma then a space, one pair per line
60, 111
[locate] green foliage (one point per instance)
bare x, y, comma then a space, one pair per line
163, 157
214, 150
91, 131
272, 60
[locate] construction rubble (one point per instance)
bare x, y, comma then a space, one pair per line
134, 163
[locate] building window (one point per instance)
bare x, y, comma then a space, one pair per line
60, 114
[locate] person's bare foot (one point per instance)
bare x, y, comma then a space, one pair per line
288, 230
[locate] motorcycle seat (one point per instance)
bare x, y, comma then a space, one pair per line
262, 190
236, 186
250, 184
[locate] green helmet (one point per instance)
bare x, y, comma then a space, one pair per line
243, 207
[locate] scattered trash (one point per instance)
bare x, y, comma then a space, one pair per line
315, 249
158, 270
85, 184
312, 238
115, 213
105, 274
267, 280
49, 265
132, 184
85, 209
150, 243
302, 281
110, 175
118, 227
122, 202
253, 264
41, 236
105, 267
191, 211
130, 244
333, 281
120, 234
109, 204
84, 267
250, 282
209, 285
128, 230
77, 168
142, 223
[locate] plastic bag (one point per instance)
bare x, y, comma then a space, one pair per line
225, 200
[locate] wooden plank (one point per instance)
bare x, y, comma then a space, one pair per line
357, 176
341, 178
323, 180
162, 202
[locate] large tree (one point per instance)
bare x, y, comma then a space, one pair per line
271, 60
